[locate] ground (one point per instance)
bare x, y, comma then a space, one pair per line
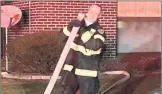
138, 84
147, 84
13, 86
139, 65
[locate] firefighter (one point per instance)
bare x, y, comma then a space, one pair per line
82, 63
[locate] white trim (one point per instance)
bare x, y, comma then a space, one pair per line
27, 77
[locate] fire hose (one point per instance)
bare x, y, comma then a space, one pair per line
127, 76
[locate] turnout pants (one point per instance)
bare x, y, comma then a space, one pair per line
73, 82
68, 77
87, 85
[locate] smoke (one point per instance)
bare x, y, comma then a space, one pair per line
140, 37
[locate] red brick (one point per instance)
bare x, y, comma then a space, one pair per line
51, 14
51, 8
33, 25
111, 15
58, 3
66, 14
39, 28
51, 3
81, 4
74, 14
108, 17
59, 15
55, 6
70, 6
47, 17
111, 26
59, 26
47, 6
70, 12
62, 12
74, 4
51, 20
63, 6
39, 11
62, 17
55, 22
62, 22
106, 28
71, 17
59, 20
114, 17
47, 28
39, 22
52, 25
47, 23
66, 3
47, 11
42, 8
106, 12
42, 19
113, 33
112, 20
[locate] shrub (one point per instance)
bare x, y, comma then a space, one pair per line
34, 53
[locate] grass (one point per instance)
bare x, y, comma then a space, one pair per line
137, 85
12, 86
149, 84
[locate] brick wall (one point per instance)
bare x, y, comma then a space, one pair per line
53, 15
